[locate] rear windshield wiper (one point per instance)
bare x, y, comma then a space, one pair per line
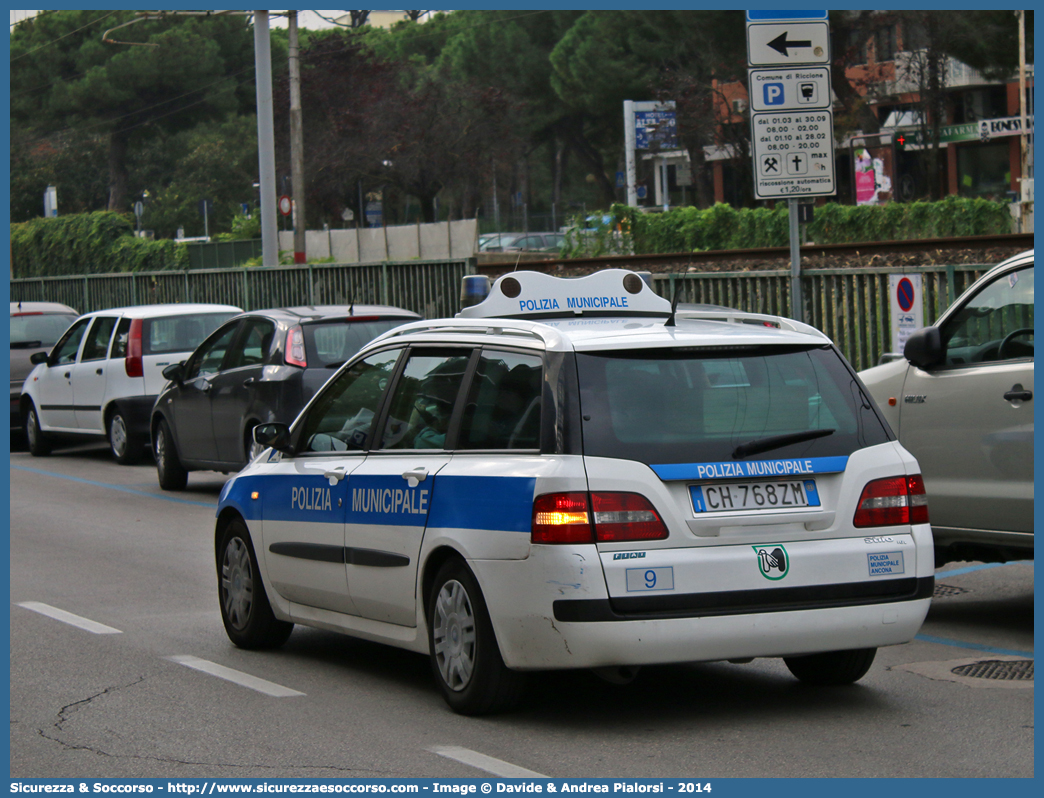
760, 445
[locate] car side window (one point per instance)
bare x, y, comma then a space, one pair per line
421, 408
96, 345
341, 417
995, 324
252, 347
503, 406
211, 354
65, 350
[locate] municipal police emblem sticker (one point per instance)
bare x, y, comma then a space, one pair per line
773, 561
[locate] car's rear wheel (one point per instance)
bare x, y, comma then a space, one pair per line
39, 443
245, 611
832, 667
172, 474
465, 657
126, 447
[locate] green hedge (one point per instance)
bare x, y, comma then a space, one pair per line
724, 227
88, 243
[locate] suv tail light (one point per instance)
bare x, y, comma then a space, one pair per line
893, 501
295, 348
617, 517
133, 363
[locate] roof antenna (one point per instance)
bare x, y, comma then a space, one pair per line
517, 260
674, 306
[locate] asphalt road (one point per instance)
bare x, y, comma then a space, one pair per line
138, 696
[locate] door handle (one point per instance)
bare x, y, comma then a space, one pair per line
248, 381
68, 375
416, 476
205, 387
97, 371
1018, 394
335, 475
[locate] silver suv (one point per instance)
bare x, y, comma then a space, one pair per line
962, 403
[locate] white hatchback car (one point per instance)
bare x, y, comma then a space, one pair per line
574, 474
102, 377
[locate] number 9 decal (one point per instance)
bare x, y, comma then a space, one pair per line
650, 579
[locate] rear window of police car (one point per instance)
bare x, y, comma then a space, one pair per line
677, 405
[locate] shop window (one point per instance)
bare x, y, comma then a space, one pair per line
984, 170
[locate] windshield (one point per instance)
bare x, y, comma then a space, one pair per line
43, 327
684, 406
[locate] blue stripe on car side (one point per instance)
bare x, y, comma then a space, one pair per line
503, 503
237, 492
462, 502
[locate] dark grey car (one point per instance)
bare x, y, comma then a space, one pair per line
35, 326
258, 367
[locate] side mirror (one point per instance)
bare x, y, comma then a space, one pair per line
924, 348
175, 372
36, 358
276, 435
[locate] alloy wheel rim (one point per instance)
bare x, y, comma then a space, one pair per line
237, 583
31, 429
454, 635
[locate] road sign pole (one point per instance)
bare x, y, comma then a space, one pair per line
797, 305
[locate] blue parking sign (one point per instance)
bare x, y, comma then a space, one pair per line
774, 94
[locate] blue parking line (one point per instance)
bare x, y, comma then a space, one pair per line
970, 568
114, 487
942, 641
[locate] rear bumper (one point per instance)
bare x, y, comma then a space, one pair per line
546, 643
553, 610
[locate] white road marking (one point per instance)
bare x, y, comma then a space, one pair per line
497, 767
69, 618
234, 676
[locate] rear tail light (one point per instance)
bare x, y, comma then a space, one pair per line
617, 517
561, 518
894, 501
625, 516
295, 348
133, 362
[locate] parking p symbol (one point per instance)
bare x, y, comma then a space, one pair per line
774, 94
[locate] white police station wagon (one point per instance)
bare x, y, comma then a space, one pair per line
572, 474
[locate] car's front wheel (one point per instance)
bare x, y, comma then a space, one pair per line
39, 443
172, 474
245, 611
832, 667
251, 448
465, 657
126, 447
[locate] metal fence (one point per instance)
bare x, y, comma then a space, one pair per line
431, 288
852, 306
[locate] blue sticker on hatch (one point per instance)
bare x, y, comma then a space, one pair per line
752, 468
886, 563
